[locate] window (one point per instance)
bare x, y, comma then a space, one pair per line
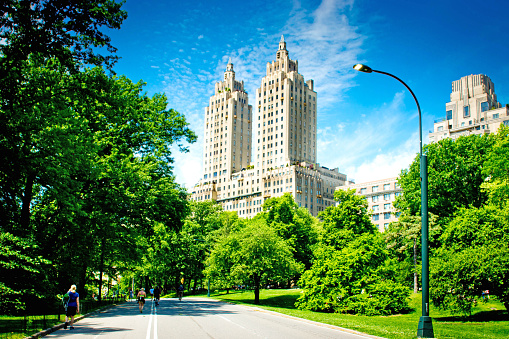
387, 196
374, 189
376, 217
375, 208
387, 187
387, 206
466, 112
448, 115
374, 198
484, 106
387, 216
363, 190
495, 116
440, 128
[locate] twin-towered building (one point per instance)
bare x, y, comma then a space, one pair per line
280, 133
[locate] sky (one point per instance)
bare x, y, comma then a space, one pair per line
368, 124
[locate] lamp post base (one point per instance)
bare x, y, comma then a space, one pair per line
425, 328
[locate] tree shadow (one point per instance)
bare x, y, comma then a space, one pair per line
281, 301
484, 316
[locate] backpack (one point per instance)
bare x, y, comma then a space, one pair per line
65, 299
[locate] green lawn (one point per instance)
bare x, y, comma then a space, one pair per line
488, 320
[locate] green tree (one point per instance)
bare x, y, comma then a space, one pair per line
341, 223
454, 177
352, 271
254, 255
295, 225
473, 257
355, 279
403, 237
496, 169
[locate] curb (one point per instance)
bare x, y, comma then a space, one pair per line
61, 325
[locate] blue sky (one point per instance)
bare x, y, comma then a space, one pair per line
367, 123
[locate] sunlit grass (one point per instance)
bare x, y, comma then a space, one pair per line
488, 320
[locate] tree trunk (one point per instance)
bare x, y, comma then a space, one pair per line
26, 201
101, 269
416, 285
256, 279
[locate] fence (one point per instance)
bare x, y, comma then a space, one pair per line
41, 316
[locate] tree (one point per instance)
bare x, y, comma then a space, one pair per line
403, 237
341, 223
454, 177
254, 255
351, 272
354, 279
496, 169
295, 225
473, 257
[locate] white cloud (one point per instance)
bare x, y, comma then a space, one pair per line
200, 36
364, 150
322, 40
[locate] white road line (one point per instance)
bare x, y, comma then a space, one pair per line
220, 316
155, 322
150, 321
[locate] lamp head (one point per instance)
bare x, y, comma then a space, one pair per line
362, 68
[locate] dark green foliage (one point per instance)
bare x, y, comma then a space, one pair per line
474, 257
355, 279
254, 255
454, 177
352, 271
295, 225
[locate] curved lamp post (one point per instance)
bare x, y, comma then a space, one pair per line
425, 327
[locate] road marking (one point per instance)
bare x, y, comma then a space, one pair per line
153, 317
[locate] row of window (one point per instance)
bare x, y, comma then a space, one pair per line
386, 187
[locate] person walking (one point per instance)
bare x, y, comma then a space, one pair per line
141, 299
73, 307
157, 295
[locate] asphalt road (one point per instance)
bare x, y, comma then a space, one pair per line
198, 318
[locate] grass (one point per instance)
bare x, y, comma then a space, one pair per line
488, 320
12, 327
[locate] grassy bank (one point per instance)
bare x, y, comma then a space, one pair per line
488, 320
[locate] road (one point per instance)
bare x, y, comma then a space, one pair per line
198, 318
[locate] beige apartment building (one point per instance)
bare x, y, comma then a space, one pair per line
473, 109
281, 135
380, 195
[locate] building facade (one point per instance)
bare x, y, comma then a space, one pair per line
473, 109
280, 133
380, 195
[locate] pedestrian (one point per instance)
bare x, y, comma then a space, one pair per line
157, 295
73, 307
141, 299
131, 294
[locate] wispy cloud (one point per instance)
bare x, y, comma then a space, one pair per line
321, 38
365, 150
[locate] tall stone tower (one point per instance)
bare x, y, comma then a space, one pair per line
285, 115
228, 132
284, 142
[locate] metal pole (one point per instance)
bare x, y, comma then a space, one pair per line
425, 326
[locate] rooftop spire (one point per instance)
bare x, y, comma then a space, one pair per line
282, 38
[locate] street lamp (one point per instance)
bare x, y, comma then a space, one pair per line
425, 327
208, 279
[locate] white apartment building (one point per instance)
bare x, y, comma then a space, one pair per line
380, 195
473, 109
281, 135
